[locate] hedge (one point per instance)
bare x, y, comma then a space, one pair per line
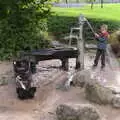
15, 39
22, 24
60, 26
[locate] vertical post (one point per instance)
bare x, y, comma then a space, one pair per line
80, 46
78, 62
70, 41
65, 64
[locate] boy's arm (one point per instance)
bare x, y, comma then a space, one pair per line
101, 39
96, 35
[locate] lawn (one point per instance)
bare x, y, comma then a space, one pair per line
109, 12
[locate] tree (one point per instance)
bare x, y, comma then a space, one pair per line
20, 25
101, 3
92, 3
66, 1
77, 1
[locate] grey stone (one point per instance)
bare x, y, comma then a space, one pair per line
115, 89
116, 101
98, 93
81, 78
77, 112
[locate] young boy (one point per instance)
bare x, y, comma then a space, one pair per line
102, 39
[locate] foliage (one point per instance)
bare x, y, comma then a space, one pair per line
60, 26
63, 19
20, 25
92, 2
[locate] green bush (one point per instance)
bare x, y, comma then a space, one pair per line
21, 24
14, 39
60, 26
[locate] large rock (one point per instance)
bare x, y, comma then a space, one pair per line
116, 96
115, 89
116, 101
98, 93
116, 49
115, 43
81, 78
77, 112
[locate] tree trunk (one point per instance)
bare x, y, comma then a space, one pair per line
101, 3
91, 5
77, 1
66, 1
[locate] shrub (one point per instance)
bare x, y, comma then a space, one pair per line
60, 26
21, 24
14, 39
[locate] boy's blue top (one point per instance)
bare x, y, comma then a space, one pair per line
102, 41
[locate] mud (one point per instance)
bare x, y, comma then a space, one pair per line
47, 97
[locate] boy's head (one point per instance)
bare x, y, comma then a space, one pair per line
103, 28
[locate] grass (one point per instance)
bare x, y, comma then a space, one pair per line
109, 12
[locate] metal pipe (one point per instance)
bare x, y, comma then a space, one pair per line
82, 18
90, 27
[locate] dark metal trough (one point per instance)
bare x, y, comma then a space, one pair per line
53, 53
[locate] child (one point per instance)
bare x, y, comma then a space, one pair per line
102, 39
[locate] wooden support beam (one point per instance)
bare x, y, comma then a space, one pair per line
80, 47
65, 64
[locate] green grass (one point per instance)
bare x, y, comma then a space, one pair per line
109, 12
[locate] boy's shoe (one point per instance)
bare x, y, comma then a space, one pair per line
103, 66
94, 66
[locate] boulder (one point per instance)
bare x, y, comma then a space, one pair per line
98, 93
115, 89
81, 78
77, 112
115, 42
116, 49
116, 101
116, 96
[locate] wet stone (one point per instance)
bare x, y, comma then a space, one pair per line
116, 101
77, 112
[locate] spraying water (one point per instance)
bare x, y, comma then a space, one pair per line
112, 72
114, 64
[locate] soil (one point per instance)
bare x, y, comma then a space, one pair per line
49, 95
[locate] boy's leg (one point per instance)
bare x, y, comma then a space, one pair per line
103, 58
98, 53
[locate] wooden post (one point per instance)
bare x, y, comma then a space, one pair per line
80, 47
78, 63
70, 41
65, 64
